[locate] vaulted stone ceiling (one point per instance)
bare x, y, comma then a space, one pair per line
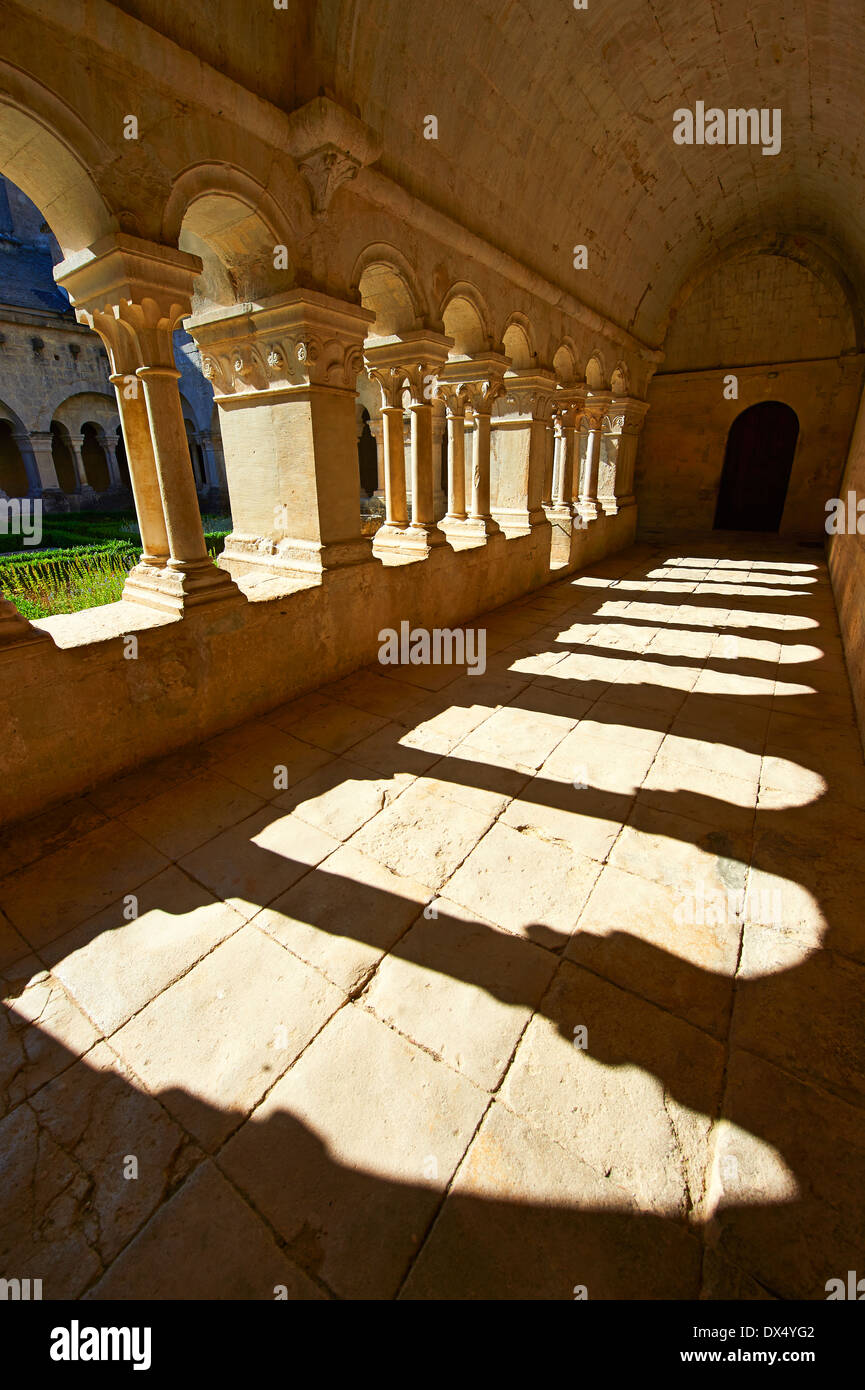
555, 125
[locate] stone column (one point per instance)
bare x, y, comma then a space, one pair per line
454, 399
284, 375
115, 482
549, 455
519, 449
480, 378
376, 429
76, 442
42, 444
409, 362
135, 293
390, 378
595, 410
626, 415
31, 468
145, 484
567, 412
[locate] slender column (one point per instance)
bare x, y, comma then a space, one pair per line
15, 630
455, 406
135, 293
142, 470
75, 444
480, 379
588, 489
549, 456
115, 481
410, 362
376, 429
565, 427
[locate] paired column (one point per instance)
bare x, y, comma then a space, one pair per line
479, 381
454, 398
521, 456
595, 410
135, 293
284, 376
567, 410
409, 363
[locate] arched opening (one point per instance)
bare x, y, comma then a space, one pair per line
367, 455
195, 455
464, 322
757, 465
61, 453
13, 474
122, 460
93, 457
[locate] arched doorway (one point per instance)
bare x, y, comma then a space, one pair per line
757, 464
61, 453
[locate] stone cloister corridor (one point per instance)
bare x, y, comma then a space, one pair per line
332, 1087
432, 670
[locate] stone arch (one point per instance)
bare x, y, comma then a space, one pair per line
596, 376
48, 152
387, 285
565, 363
73, 411
518, 342
466, 319
227, 218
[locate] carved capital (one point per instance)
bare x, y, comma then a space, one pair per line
325, 170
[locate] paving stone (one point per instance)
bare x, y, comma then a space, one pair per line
42, 1030
113, 964
461, 989
422, 835
343, 917
525, 1219
350, 1154
636, 1103
179, 820
205, 1243
253, 862
526, 884
217, 1039
340, 798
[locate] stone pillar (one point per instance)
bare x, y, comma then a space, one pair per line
567, 412
145, 485
439, 428
409, 362
376, 429
454, 399
595, 410
284, 375
480, 378
76, 443
549, 456
519, 450
626, 415
42, 445
115, 482
135, 293
390, 377
31, 468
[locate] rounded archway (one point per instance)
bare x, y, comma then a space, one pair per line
93, 457
61, 453
757, 465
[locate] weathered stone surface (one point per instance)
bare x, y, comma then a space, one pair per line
462, 990
352, 1150
205, 1243
218, 1038
42, 1030
423, 835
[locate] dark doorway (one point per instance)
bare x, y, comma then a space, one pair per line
757, 466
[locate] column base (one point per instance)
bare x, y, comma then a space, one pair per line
244, 554
480, 527
587, 509
175, 589
518, 521
15, 630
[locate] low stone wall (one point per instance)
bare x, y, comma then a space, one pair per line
78, 709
